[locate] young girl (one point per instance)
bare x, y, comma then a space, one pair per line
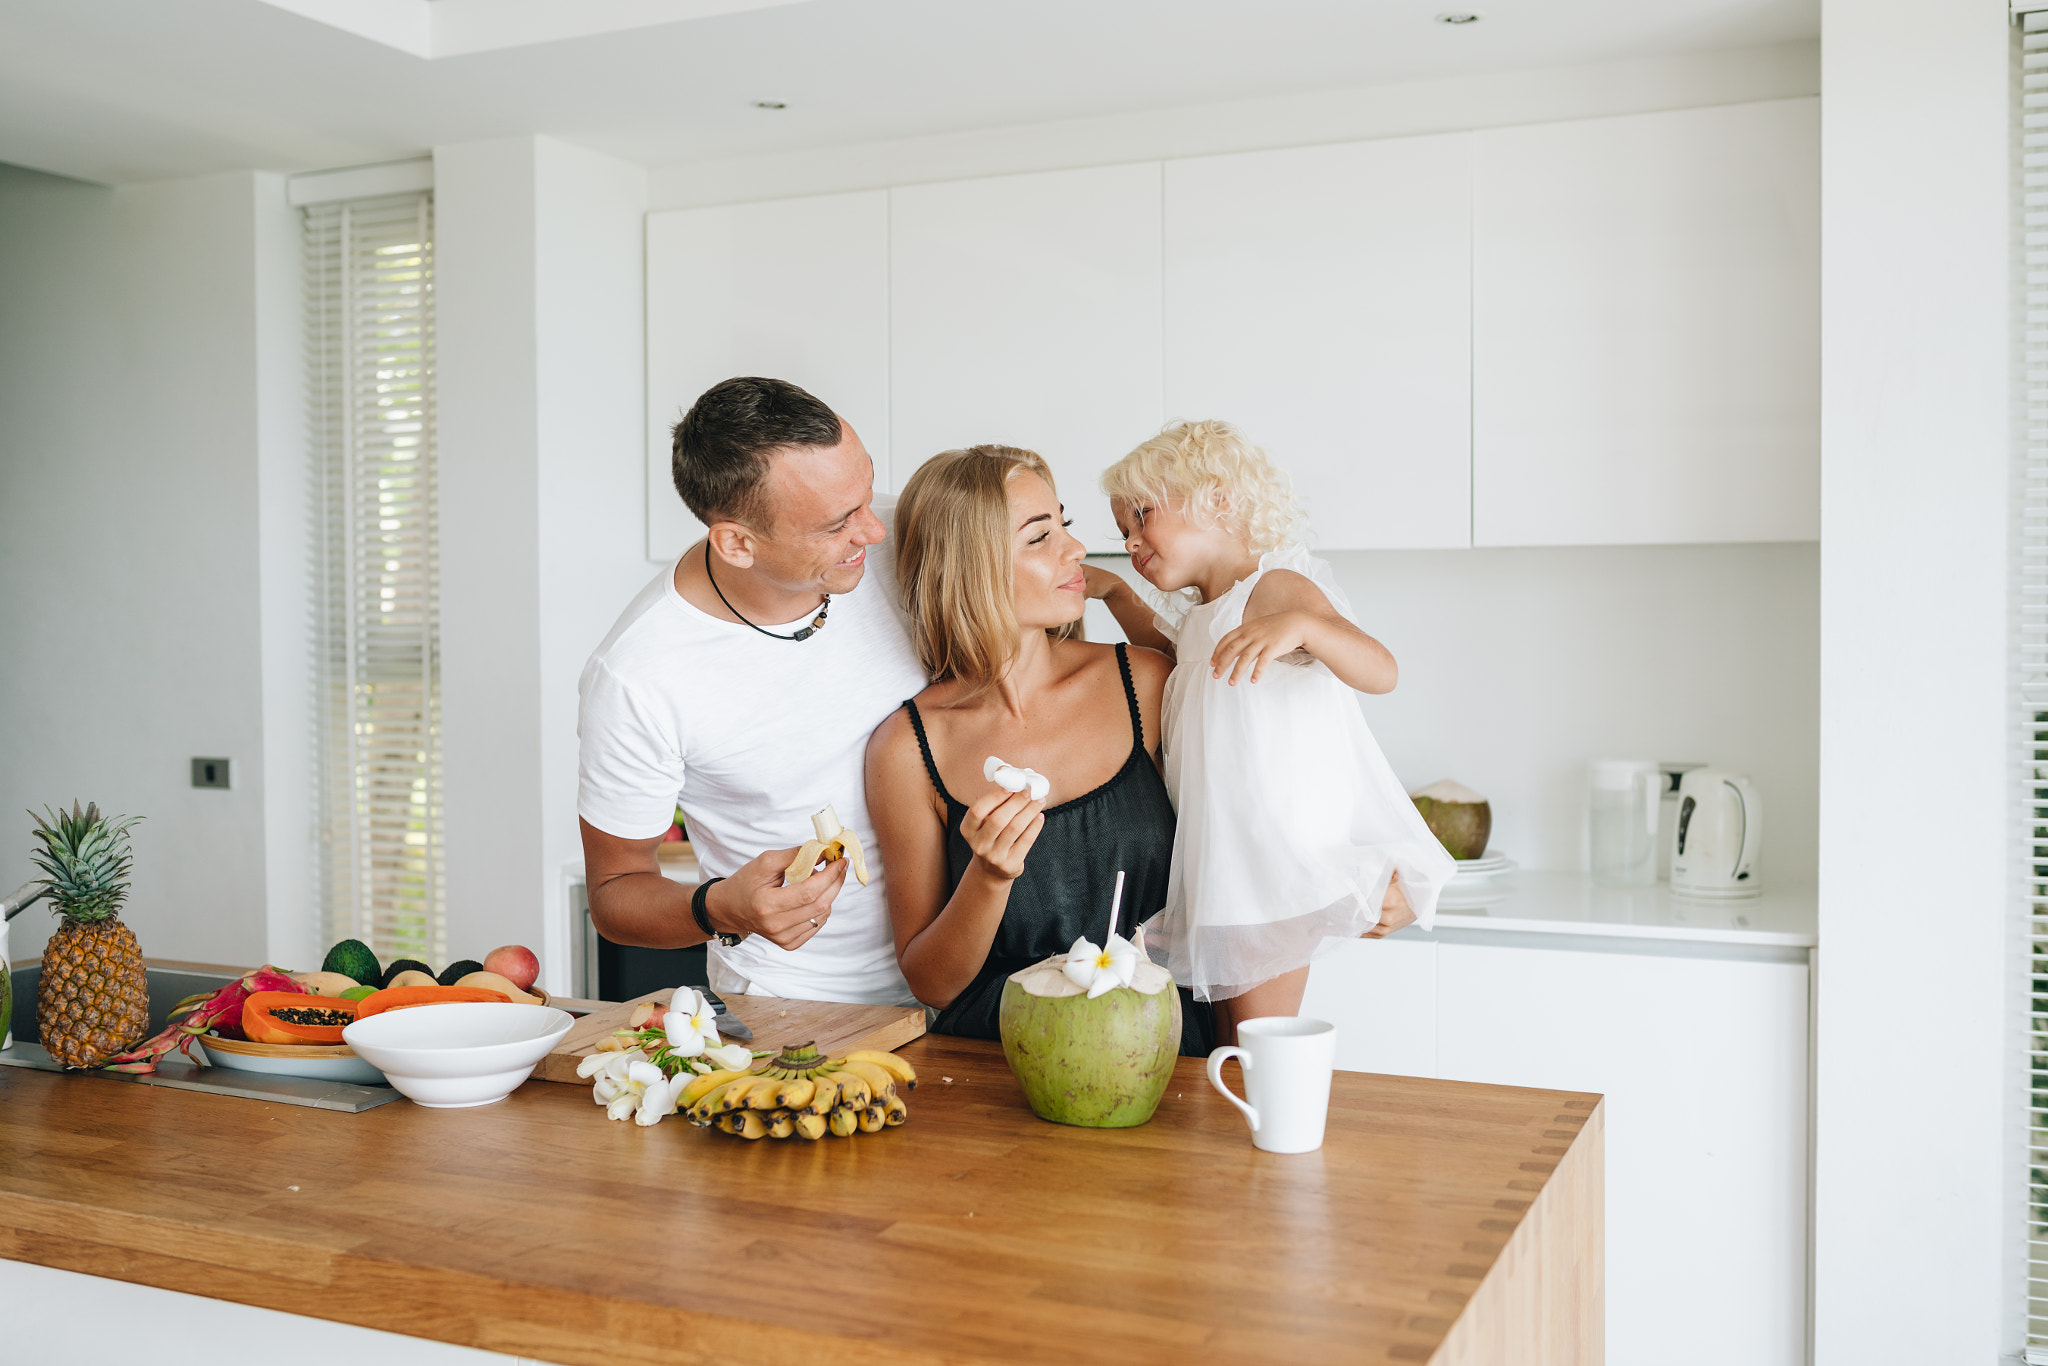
1292, 827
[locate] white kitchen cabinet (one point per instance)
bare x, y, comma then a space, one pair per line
1320, 298
1703, 1062
1381, 995
797, 289
1024, 311
1646, 328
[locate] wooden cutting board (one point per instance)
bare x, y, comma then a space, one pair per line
834, 1025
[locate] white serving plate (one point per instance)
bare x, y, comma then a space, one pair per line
321, 1064
1493, 865
457, 1054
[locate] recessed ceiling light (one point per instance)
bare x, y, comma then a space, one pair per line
771, 104
1458, 16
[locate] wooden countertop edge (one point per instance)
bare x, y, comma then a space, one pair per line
574, 1328
1551, 1275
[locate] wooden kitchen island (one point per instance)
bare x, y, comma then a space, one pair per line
1441, 1222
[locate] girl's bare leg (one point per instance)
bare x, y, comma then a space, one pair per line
1280, 996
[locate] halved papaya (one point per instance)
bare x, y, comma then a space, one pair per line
400, 998
291, 1017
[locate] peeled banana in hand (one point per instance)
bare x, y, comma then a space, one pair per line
834, 841
801, 1094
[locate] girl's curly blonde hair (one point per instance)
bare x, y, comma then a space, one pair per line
1217, 477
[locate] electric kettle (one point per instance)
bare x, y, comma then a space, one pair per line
1714, 841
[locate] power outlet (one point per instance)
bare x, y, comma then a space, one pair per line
210, 773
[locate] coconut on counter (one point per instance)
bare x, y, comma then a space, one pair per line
1460, 818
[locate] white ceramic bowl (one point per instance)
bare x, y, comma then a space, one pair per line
458, 1053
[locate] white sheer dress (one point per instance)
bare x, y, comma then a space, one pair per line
1290, 821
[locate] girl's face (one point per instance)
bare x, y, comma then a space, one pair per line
1046, 561
1169, 551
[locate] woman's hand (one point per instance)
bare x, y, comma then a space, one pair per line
1254, 645
1000, 827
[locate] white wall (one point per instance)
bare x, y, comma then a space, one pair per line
538, 306
1518, 666
134, 419
1917, 1207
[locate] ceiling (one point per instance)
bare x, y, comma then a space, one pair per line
126, 90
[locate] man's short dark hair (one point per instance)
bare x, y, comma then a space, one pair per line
721, 449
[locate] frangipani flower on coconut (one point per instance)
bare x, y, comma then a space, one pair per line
1098, 970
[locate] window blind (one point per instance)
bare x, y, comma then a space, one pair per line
370, 318
2030, 141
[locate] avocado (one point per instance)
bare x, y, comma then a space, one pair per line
456, 971
399, 965
352, 958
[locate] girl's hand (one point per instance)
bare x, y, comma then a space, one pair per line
1101, 583
1254, 645
1000, 827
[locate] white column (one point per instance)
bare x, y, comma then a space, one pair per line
1917, 1206
538, 310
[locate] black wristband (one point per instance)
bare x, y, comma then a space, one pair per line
702, 916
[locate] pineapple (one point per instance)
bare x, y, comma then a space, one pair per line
93, 1000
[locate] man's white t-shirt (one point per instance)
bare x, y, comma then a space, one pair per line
750, 736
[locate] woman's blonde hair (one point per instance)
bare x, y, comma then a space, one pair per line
1217, 477
955, 564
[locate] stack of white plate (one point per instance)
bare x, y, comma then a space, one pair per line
1479, 882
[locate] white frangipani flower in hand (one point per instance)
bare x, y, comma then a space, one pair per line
689, 1024
1101, 969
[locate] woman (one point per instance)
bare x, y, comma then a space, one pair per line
983, 882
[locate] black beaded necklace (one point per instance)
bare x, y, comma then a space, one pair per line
817, 622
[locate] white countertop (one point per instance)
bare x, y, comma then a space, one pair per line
1573, 904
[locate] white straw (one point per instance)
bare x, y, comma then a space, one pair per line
1115, 901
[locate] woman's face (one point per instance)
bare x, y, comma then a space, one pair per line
1046, 560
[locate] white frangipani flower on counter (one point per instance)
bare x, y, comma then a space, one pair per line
690, 1023
1098, 970
1010, 778
629, 1084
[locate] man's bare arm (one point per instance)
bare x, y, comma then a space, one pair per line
631, 902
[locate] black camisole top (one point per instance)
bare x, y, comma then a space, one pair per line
1069, 876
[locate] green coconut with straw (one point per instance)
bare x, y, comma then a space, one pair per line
1092, 1034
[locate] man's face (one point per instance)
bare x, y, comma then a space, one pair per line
822, 525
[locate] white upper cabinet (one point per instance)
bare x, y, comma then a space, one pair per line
1320, 298
1646, 328
797, 289
1024, 311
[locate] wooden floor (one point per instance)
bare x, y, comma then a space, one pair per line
976, 1233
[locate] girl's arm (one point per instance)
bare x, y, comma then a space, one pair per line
1128, 608
941, 941
1287, 612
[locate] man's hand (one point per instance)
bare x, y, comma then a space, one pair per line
1000, 827
754, 900
1395, 912
1254, 645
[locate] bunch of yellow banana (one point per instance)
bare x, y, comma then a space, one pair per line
799, 1093
834, 841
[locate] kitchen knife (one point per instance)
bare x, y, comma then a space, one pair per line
729, 1024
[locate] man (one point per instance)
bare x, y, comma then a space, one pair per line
742, 685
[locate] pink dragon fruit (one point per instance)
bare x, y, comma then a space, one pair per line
219, 1012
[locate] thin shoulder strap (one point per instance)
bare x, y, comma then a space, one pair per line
924, 747
1123, 664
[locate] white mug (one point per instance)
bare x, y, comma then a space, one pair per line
1287, 1062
